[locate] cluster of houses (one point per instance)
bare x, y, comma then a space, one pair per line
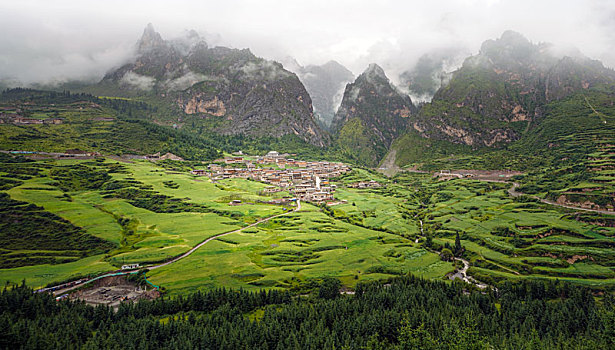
308, 181
365, 184
153, 157
17, 119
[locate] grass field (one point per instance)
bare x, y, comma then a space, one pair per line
152, 212
528, 239
295, 248
140, 235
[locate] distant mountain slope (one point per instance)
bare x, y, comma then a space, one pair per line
372, 114
90, 124
432, 71
232, 90
325, 84
503, 95
493, 97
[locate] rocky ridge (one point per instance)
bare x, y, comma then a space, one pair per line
235, 91
372, 114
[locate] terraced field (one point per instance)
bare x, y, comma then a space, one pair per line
289, 251
519, 237
143, 218
143, 212
148, 213
574, 150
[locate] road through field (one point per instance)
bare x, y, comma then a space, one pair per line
221, 235
514, 193
67, 287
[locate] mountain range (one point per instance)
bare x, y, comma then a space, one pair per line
503, 90
497, 98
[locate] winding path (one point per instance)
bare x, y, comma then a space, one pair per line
221, 235
514, 193
59, 290
463, 275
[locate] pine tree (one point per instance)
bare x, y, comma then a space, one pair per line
458, 246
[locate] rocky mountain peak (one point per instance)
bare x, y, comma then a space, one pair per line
372, 114
229, 91
511, 48
334, 66
375, 71
149, 40
325, 83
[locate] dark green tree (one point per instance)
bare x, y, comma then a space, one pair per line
329, 288
458, 246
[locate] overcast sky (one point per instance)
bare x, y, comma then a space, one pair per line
62, 39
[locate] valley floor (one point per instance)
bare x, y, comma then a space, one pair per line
153, 213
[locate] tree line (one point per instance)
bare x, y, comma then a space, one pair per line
403, 313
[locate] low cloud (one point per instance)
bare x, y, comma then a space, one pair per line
266, 69
185, 81
140, 82
64, 40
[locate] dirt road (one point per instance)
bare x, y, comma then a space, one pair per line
221, 235
60, 290
514, 193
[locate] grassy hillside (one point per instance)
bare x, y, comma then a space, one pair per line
92, 124
567, 154
135, 125
571, 151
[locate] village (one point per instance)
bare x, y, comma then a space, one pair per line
305, 180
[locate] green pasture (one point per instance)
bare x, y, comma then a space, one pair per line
40, 275
295, 248
371, 236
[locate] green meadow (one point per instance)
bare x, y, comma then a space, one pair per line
144, 212
293, 249
167, 212
140, 234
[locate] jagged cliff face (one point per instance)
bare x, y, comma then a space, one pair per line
372, 114
493, 97
241, 93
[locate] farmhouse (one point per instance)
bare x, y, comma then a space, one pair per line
130, 266
271, 189
370, 184
54, 121
321, 196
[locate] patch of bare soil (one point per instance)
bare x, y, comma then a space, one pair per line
112, 291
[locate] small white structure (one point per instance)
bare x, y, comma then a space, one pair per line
130, 266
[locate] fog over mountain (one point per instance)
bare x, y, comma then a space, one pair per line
75, 40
